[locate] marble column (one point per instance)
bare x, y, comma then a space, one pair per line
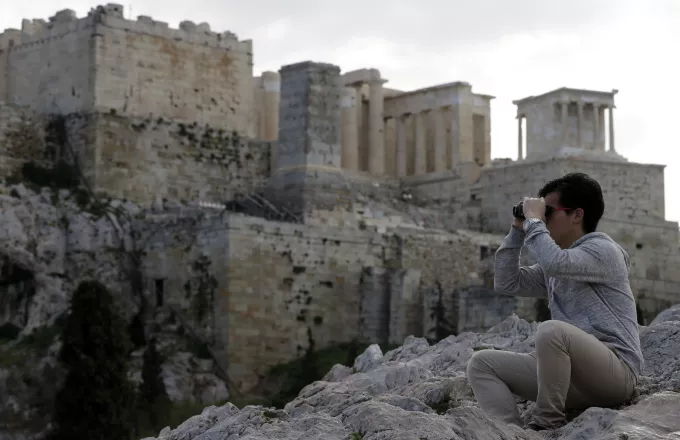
361, 129
611, 128
597, 135
376, 127
565, 122
520, 140
439, 140
271, 84
420, 165
455, 136
401, 145
349, 135
579, 130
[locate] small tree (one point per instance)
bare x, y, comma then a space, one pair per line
154, 400
442, 327
96, 398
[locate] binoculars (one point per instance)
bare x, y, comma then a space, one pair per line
518, 210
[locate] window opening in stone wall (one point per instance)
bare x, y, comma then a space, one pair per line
159, 288
638, 245
483, 252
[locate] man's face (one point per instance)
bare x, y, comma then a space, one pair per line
559, 223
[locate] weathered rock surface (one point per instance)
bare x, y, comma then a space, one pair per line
52, 240
420, 391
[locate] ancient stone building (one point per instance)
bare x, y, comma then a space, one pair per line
335, 208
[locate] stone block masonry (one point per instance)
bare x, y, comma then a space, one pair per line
22, 139
143, 159
307, 162
50, 67
277, 283
632, 191
310, 116
104, 62
287, 280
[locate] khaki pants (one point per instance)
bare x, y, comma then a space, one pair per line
569, 369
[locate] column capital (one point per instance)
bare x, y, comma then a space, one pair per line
376, 82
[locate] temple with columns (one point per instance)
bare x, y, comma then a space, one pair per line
566, 121
388, 132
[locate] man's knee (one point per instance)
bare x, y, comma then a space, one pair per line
478, 363
551, 331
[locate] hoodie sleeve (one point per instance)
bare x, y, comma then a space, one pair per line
511, 279
593, 261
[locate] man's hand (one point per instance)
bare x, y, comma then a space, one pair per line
534, 208
518, 223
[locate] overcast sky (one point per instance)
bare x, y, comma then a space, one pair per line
507, 48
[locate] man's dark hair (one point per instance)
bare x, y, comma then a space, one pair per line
578, 190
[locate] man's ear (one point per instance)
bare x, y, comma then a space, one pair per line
578, 215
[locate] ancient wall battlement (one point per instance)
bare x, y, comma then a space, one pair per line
106, 63
37, 31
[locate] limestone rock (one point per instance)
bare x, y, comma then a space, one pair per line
419, 391
186, 378
670, 314
53, 240
371, 355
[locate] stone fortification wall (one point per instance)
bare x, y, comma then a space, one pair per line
22, 139
275, 282
142, 159
654, 250
278, 284
288, 283
50, 68
104, 62
187, 74
8, 39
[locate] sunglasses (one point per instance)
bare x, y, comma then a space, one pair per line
549, 209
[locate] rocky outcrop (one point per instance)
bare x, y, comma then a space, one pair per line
56, 242
52, 240
420, 391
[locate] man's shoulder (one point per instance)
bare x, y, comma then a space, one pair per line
600, 240
606, 249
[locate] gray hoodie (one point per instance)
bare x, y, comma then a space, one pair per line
586, 285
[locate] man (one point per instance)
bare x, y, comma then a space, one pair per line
589, 353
